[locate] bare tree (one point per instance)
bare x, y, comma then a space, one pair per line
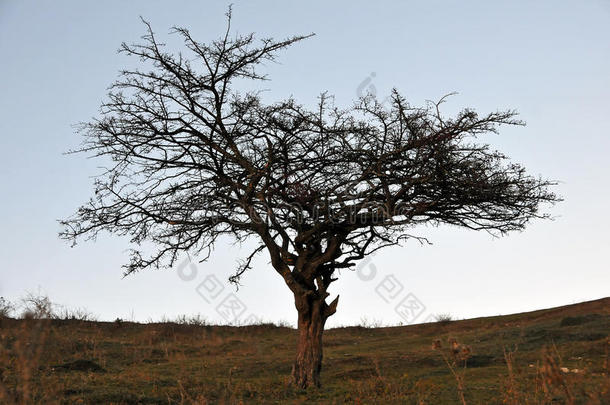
318, 189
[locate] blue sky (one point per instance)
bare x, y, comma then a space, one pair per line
550, 60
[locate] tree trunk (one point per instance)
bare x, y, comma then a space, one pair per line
313, 312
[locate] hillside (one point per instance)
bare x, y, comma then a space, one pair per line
553, 356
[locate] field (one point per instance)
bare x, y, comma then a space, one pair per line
553, 356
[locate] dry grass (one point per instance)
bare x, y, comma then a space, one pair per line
557, 356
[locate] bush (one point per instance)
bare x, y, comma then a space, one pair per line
443, 318
6, 308
37, 307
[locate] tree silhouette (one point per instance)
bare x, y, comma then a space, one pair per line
318, 189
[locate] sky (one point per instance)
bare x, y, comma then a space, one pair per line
549, 60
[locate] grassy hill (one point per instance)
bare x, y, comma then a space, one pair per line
554, 356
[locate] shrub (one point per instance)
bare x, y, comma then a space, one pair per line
443, 318
37, 307
6, 308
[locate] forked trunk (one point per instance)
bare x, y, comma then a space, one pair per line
313, 313
308, 362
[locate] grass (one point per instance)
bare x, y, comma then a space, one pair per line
554, 356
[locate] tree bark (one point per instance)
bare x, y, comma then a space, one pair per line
313, 312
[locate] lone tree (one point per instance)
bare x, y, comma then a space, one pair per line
318, 189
